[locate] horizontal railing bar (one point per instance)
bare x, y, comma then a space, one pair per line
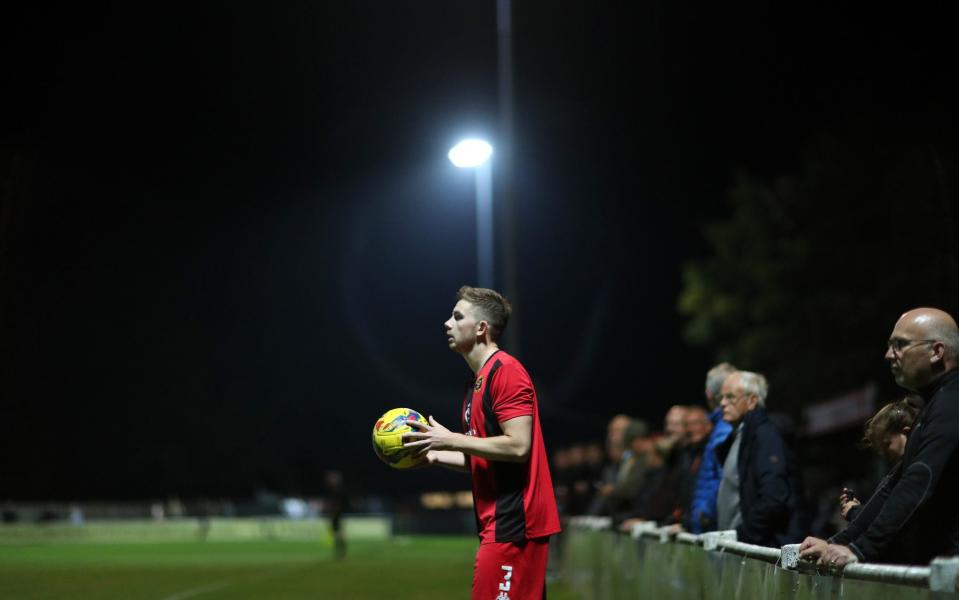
685, 537
751, 550
918, 576
786, 557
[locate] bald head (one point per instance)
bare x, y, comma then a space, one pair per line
935, 324
924, 344
675, 422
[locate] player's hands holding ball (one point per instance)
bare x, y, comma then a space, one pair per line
424, 439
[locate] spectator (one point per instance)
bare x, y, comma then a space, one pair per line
670, 488
755, 496
886, 433
632, 474
698, 428
562, 479
912, 517
675, 424
640, 504
672, 447
702, 512
618, 452
585, 486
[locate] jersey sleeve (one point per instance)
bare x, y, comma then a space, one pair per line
512, 393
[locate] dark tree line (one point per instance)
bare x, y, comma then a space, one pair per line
809, 270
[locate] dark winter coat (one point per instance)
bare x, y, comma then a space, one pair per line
770, 494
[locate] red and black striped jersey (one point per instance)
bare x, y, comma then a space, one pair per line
512, 501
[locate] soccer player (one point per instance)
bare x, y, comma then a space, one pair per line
502, 447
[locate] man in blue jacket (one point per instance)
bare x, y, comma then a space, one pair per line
760, 492
701, 515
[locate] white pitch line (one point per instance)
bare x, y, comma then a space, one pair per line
203, 589
216, 585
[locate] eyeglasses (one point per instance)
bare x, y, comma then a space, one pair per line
900, 345
731, 396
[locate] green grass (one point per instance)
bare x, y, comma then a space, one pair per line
399, 568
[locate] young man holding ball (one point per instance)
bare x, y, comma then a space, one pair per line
502, 448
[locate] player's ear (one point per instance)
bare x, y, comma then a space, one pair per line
482, 328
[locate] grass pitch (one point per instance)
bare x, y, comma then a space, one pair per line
398, 568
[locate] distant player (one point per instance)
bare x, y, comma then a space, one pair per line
502, 447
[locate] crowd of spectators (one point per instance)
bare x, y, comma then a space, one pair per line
730, 465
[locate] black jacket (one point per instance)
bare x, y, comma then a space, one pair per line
913, 516
769, 482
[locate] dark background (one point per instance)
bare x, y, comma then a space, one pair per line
230, 233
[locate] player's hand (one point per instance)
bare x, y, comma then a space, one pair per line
428, 459
812, 548
836, 557
428, 437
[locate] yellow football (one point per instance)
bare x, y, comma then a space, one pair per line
388, 437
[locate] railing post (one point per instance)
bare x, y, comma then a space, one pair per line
942, 574
711, 538
790, 556
640, 528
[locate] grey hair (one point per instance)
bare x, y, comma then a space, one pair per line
754, 384
716, 376
949, 336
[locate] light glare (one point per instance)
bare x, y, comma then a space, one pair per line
470, 153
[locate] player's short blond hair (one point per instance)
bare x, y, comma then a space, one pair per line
492, 307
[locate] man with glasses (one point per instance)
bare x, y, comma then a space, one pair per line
756, 494
912, 518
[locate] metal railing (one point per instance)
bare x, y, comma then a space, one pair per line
674, 579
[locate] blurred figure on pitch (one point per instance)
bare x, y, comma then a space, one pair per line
886, 434
756, 495
203, 512
701, 515
911, 518
334, 506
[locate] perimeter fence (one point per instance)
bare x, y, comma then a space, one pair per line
603, 564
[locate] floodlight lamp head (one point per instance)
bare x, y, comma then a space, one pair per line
470, 153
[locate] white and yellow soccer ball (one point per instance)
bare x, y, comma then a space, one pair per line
388, 437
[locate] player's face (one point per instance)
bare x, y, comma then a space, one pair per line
461, 327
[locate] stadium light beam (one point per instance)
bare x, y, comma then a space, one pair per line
475, 154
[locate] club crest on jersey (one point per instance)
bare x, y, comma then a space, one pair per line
479, 383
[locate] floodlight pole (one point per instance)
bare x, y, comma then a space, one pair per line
484, 224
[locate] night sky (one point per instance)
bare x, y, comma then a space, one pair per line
230, 233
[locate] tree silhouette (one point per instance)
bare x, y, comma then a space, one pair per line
809, 271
